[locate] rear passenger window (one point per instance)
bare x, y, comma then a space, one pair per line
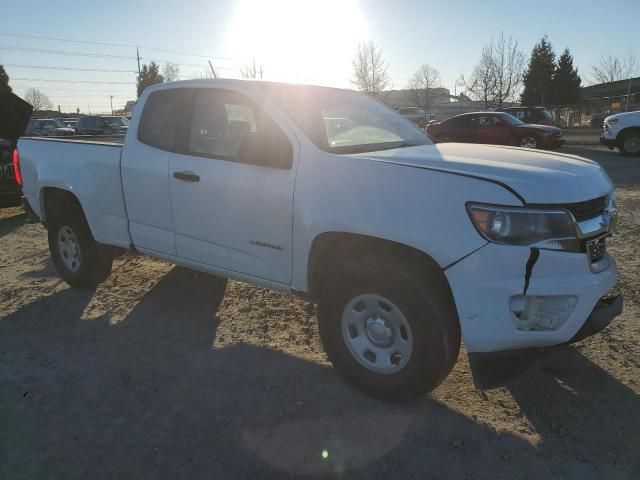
159, 119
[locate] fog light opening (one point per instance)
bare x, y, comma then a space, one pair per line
537, 312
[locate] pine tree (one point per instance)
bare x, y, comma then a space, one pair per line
149, 75
4, 81
566, 81
539, 75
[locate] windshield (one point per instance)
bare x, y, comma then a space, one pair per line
49, 124
510, 119
115, 121
547, 114
341, 121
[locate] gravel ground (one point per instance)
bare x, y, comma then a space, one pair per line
159, 373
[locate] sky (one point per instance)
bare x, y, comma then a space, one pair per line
307, 41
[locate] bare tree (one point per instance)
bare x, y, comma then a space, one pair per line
37, 99
497, 77
171, 72
422, 83
613, 69
251, 70
370, 70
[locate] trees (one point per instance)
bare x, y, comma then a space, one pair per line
497, 77
565, 84
171, 72
370, 70
37, 99
612, 69
4, 81
149, 75
251, 71
422, 83
538, 78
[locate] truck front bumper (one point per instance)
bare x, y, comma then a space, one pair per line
497, 312
608, 142
492, 369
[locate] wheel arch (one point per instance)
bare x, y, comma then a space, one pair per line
55, 199
626, 130
330, 249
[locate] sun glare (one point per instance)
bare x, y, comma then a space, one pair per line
297, 41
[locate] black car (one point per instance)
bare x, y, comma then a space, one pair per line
535, 115
102, 125
14, 115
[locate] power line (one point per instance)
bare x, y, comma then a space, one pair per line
41, 67
87, 42
64, 52
71, 81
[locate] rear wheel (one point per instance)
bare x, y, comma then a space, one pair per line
630, 143
78, 258
529, 142
386, 332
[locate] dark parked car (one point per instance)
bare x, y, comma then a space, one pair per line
14, 115
535, 115
497, 128
102, 125
47, 127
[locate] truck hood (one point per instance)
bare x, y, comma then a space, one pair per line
623, 115
538, 177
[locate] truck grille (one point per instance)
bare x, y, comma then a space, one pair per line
580, 210
588, 209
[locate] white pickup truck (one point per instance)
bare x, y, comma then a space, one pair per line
406, 245
622, 130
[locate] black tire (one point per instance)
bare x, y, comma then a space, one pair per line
429, 311
629, 143
94, 261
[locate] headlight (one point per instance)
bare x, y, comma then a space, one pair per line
550, 229
611, 121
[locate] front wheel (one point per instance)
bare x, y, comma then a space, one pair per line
78, 258
630, 144
387, 333
529, 142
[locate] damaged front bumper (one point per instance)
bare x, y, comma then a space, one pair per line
493, 369
511, 304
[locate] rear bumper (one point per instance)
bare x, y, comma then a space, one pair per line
493, 369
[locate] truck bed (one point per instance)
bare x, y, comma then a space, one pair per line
89, 169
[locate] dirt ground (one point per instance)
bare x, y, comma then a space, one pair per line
156, 374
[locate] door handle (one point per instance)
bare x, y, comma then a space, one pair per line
186, 176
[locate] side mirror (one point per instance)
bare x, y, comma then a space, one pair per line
271, 151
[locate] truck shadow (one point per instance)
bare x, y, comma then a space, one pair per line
149, 396
10, 223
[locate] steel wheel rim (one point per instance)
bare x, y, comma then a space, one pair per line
528, 142
69, 248
632, 145
377, 333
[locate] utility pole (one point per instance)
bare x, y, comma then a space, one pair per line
626, 109
212, 70
138, 57
111, 101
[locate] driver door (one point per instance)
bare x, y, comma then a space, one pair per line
492, 130
230, 215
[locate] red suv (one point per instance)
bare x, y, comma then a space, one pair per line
495, 128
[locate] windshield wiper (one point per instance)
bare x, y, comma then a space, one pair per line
373, 147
